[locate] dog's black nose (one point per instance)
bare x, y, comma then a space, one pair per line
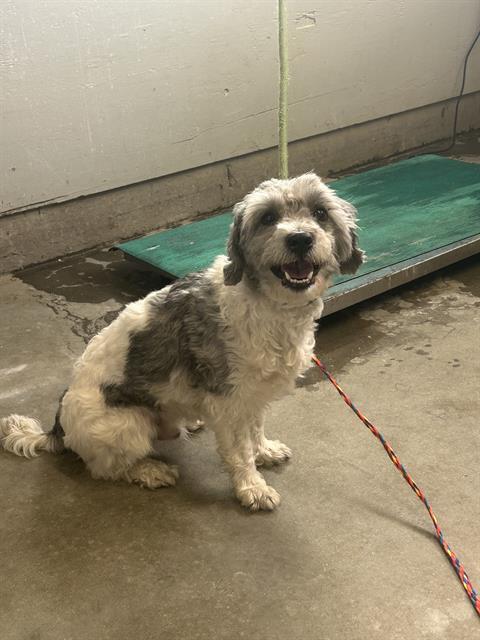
299, 242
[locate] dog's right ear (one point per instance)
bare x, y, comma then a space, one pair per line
233, 270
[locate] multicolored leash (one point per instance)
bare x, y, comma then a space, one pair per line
457, 565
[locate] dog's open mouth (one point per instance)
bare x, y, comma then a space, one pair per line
297, 275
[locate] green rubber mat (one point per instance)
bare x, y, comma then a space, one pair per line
410, 213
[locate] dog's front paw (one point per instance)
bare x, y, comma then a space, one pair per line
259, 498
272, 452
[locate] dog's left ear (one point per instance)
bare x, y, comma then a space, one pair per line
356, 259
351, 257
233, 270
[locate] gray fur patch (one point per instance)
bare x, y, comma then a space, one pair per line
233, 270
356, 258
121, 395
350, 256
184, 333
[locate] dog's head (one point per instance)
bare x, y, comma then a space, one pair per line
289, 237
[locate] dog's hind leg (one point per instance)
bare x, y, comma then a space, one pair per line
115, 443
152, 473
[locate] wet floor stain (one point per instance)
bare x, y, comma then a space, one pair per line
89, 290
347, 337
454, 363
342, 339
93, 277
466, 273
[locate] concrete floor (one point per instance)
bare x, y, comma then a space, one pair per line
349, 554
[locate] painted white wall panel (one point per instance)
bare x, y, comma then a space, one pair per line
98, 94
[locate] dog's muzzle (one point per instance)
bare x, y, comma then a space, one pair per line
299, 274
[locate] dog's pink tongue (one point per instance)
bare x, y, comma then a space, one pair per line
300, 269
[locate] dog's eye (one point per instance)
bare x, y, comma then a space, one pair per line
269, 217
320, 214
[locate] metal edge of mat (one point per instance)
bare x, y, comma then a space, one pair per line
388, 278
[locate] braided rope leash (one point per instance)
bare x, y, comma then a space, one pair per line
457, 565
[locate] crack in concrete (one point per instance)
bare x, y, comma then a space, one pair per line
77, 327
82, 327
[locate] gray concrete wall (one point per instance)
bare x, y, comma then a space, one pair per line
99, 94
50, 231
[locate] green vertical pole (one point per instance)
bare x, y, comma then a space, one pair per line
283, 90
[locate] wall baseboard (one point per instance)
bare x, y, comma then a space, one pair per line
50, 231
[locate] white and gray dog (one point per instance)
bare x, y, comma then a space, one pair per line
216, 346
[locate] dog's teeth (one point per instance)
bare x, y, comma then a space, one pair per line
298, 280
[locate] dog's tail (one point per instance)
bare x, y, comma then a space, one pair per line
25, 436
